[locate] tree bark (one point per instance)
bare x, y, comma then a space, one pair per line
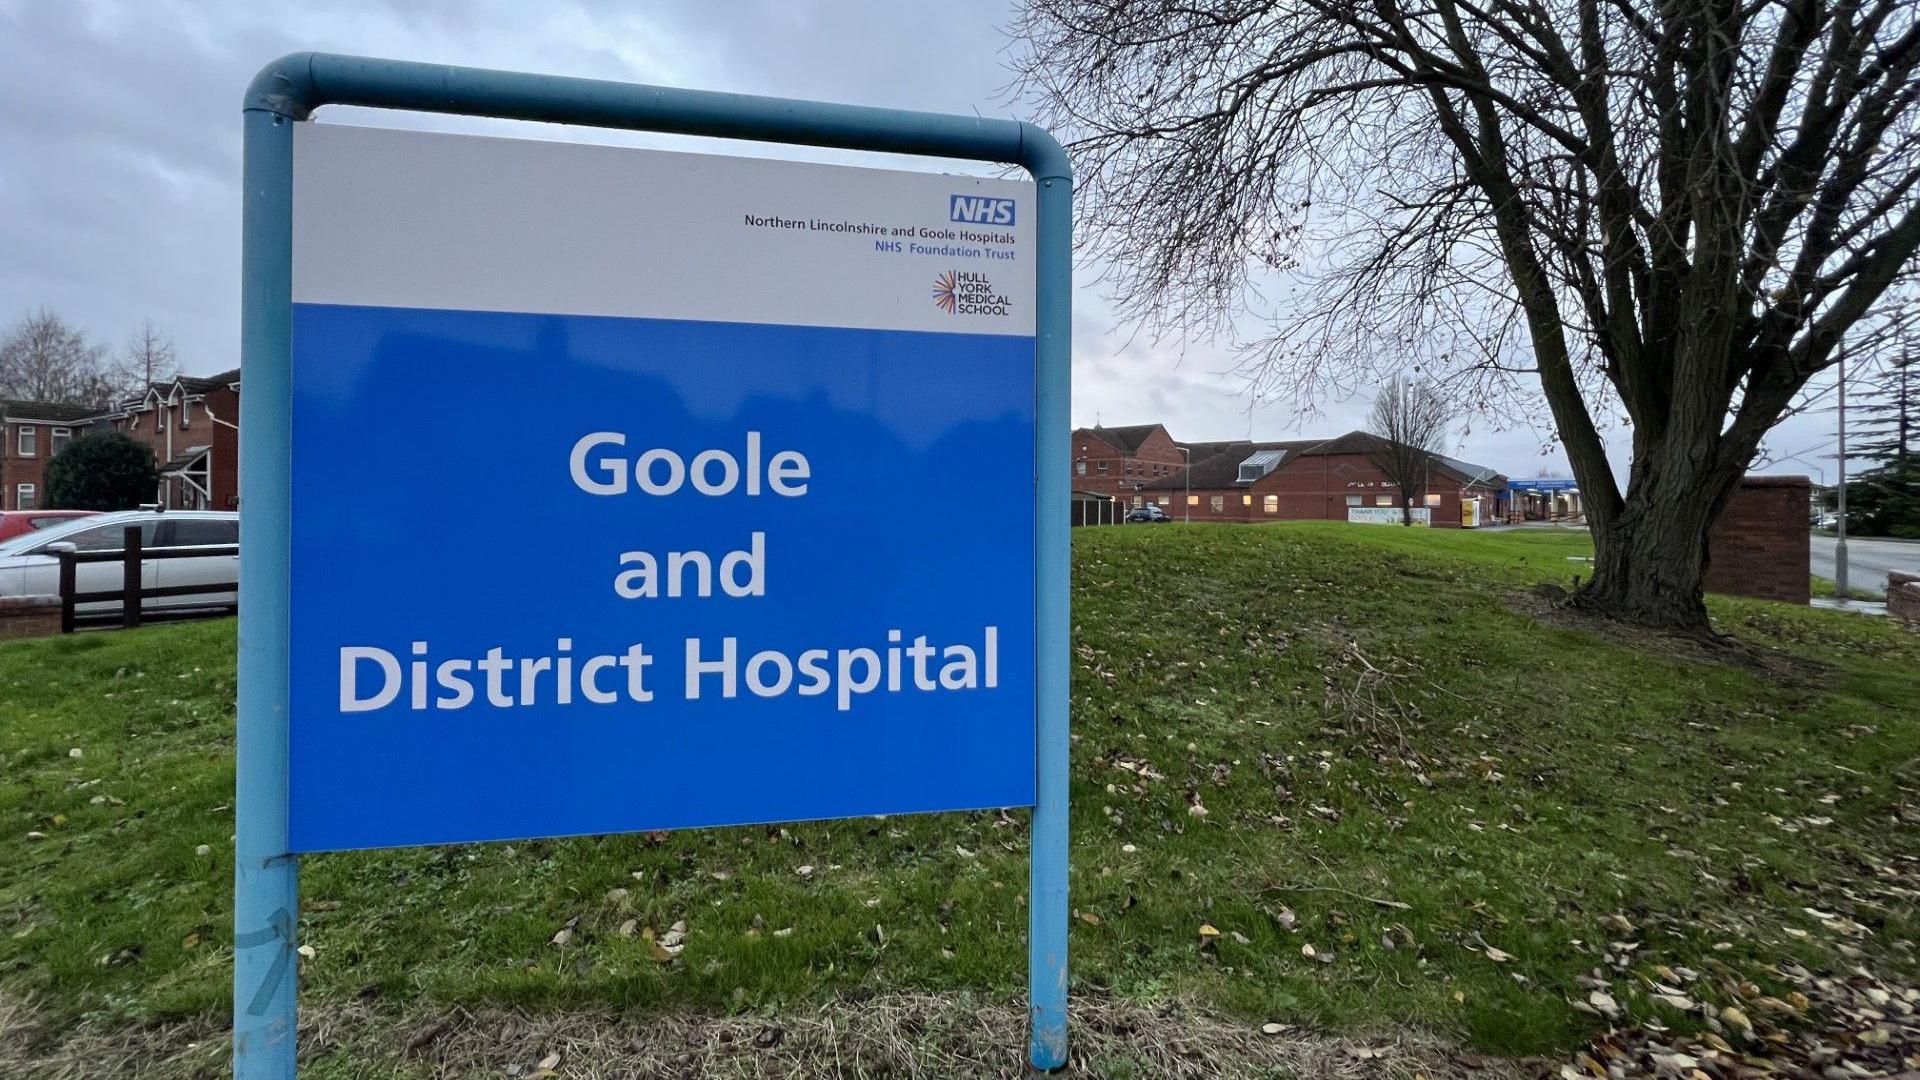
1650, 555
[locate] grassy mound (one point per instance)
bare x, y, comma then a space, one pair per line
1329, 775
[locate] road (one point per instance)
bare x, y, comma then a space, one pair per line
1867, 561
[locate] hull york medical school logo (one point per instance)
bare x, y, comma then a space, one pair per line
968, 292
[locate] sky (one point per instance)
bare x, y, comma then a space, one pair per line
120, 165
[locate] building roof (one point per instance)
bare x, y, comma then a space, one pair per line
184, 460
1222, 468
50, 411
1219, 467
1126, 439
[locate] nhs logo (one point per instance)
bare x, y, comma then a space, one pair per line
980, 210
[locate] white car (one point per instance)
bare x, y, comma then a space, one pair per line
29, 565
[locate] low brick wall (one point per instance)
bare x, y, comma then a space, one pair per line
1903, 597
1761, 546
29, 616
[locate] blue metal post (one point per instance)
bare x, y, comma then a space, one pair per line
265, 877
287, 91
1047, 915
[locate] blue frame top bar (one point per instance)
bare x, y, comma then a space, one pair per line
295, 85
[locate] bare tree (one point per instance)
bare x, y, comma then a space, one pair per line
147, 358
1410, 419
1668, 214
43, 358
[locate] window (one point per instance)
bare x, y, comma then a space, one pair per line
1080, 467
1162, 500
1137, 500
29, 442
1272, 504
186, 414
1353, 500
1383, 500
1103, 467
203, 532
1218, 502
112, 537
61, 436
1193, 500
1433, 500
1246, 500
25, 497
1127, 468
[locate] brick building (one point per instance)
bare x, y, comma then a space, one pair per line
1119, 461
193, 425
1321, 479
31, 432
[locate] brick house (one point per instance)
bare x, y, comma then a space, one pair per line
193, 425
1118, 461
1321, 479
31, 432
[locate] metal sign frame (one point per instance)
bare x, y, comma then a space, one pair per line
286, 92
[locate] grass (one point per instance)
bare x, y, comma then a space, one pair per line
1423, 809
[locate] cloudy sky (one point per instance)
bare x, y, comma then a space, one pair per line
119, 178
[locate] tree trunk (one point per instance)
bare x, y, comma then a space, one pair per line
1650, 558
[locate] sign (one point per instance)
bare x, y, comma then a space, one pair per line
621, 490
1387, 515
1544, 484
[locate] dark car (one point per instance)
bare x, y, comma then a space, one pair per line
21, 522
1148, 513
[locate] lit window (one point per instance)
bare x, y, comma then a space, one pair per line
61, 436
1246, 500
1193, 500
26, 497
1272, 503
1383, 500
1433, 500
1353, 500
1162, 500
29, 443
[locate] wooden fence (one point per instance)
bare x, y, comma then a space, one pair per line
131, 593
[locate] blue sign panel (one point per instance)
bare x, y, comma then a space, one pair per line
561, 572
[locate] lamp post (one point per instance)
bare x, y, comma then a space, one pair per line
1186, 474
1840, 491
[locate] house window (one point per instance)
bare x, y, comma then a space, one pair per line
25, 497
1353, 500
61, 436
1080, 467
1218, 502
1383, 500
186, 414
28, 443
1162, 500
1433, 500
1272, 504
1193, 500
1246, 500
1103, 467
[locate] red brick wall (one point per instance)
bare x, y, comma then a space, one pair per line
212, 423
1313, 488
16, 470
1157, 458
1761, 545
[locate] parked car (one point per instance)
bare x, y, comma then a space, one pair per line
30, 565
21, 522
1148, 513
